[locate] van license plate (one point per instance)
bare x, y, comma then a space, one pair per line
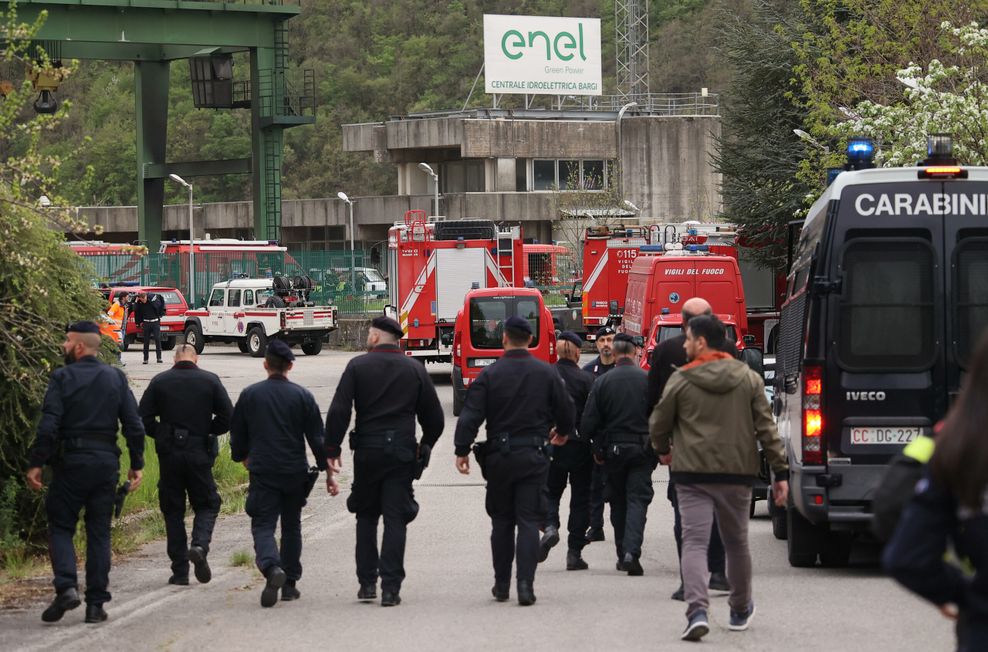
482, 362
889, 435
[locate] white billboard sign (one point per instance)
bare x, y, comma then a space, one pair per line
537, 55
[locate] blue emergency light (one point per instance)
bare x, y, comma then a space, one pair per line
860, 149
665, 311
652, 248
697, 247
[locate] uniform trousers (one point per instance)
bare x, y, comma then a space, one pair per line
382, 486
597, 481
516, 501
83, 479
152, 330
571, 463
629, 492
270, 497
187, 472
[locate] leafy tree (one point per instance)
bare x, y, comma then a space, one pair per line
758, 153
43, 284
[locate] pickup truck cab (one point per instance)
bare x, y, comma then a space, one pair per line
480, 324
235, 313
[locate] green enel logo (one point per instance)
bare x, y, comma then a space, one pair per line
514, 44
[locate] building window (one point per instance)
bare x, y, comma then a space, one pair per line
593, 175
521, 175
544, 175
567, 174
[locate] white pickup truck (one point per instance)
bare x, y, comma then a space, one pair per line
236, 312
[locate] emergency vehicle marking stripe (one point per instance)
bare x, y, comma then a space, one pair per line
495, 271
601, 264
413, 296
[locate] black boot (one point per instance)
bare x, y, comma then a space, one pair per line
198, 558
95, 613
632, 565
367, 592
501, 591
718, 582
526, 593
179, 580
65, 601
595, 534
390, 598
289, 592
549, 539
275, 580
574, 561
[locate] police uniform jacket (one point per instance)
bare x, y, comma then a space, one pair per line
85, 399
598, 368
272, 421
187, 397
388, 390
933, 521
152, 309
518, 395
578, 384
615, 411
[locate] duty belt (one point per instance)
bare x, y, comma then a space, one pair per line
505, 442
151, 321
74, 440
388, 439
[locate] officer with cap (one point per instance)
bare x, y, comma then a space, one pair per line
272, 422
184, 409
571, 462
520, 398
388, 391
615, 420
77, 436
600, 366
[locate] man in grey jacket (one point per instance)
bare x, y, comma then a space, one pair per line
705, 427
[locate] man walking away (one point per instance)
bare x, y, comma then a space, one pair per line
148, 311
616, 423
668, 356
184, 409
603, 363
388, 391
272, 422
77, 436
520, 398
572, 462
706, 427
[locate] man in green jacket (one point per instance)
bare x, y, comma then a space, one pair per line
705, 427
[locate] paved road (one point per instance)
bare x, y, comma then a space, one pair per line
446, 597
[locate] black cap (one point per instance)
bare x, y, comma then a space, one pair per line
605, 330
387, 325
82, 327
572, 337
624, 337
518, 324
281, 350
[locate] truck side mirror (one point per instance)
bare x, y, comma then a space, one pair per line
749, 340
755, 359
389, 311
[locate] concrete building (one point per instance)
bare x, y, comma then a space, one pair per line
501, 164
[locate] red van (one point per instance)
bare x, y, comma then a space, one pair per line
172, 322
659, 284
669, 325
479, 325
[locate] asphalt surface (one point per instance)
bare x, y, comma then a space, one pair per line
446, 600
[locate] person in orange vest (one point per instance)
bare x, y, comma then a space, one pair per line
111, 326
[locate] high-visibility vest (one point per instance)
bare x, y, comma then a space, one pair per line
116, 313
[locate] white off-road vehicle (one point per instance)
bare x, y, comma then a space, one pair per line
249, 312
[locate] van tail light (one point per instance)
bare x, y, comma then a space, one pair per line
813, 451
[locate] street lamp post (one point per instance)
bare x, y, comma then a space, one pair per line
353, 259
425, 167
192, 241
629, 105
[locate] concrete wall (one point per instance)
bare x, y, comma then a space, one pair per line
538, 139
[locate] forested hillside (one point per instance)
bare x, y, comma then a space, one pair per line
372, 59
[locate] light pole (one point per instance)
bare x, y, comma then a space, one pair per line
802, 135
192, 241
629, 105
425, 167
353, 259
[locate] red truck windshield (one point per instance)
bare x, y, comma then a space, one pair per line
487, 315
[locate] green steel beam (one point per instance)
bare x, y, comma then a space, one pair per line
197, 168
151, 98
137, 51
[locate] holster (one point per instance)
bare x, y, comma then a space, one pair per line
213, 445
480, 451
422, 460
387, 442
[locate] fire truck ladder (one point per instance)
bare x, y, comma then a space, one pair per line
506, 252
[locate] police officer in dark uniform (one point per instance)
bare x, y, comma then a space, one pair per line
184, 409
272, 422
77, 436
388, 391
521, 398
667, 357
148, 311
572, 462
603, 363
616, 422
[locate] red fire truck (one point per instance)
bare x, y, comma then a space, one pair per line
610, 252
432, 266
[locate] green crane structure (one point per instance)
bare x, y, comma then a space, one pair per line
152, 34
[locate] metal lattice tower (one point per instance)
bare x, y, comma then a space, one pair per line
631, 49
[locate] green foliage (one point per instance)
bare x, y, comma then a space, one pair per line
758, 153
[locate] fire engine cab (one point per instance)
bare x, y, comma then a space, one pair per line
432, 266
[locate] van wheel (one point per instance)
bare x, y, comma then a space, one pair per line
193, 337
780, 529
312, 347
457, 380
257, 342
803, 539
168, 344
835, 551
242, 345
